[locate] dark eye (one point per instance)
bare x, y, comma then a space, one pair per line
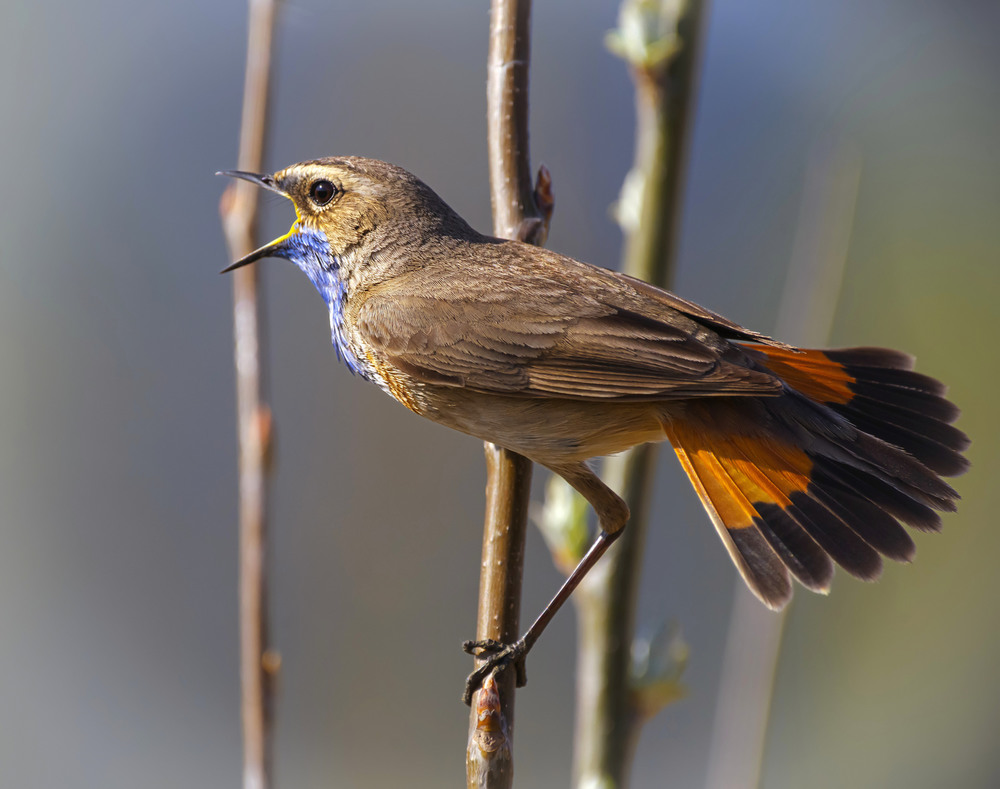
322, 192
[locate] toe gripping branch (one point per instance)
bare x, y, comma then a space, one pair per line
498, 655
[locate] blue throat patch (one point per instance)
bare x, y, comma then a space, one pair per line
310, 251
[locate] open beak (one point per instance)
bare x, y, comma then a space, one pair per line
274, 248
265, 181
268, 250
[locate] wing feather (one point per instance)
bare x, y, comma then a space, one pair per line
569, 330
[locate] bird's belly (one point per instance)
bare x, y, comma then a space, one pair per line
543, 429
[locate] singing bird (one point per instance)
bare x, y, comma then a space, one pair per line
802, 458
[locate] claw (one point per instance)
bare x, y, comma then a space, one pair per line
496, 656
486, 646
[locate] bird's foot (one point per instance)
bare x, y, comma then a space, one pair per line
497, 656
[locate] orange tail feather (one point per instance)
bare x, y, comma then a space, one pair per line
826, 471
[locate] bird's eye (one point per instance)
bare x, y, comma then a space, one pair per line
322, 192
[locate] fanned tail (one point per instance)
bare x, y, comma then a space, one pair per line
826, 472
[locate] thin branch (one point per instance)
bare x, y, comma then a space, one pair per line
660, 41
515, 215
258, 666
508, 488
511, 191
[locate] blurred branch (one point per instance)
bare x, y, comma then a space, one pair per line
508, 487
805, 317
660, 41
258, 666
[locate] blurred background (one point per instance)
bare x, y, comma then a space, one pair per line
118, 655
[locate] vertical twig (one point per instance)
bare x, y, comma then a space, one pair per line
660, 41
805, 317
511, 190
239, 219
515, 215
489, 756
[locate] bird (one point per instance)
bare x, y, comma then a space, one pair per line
802, 458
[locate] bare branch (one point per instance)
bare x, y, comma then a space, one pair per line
258, 665
660, 41
515, 215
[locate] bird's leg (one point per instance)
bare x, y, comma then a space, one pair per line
612, 514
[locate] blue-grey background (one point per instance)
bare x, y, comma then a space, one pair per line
118, 642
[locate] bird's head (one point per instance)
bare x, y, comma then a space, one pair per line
351, 214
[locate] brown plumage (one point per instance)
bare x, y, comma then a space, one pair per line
802, 458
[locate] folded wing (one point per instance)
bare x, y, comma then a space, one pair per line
571, 331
